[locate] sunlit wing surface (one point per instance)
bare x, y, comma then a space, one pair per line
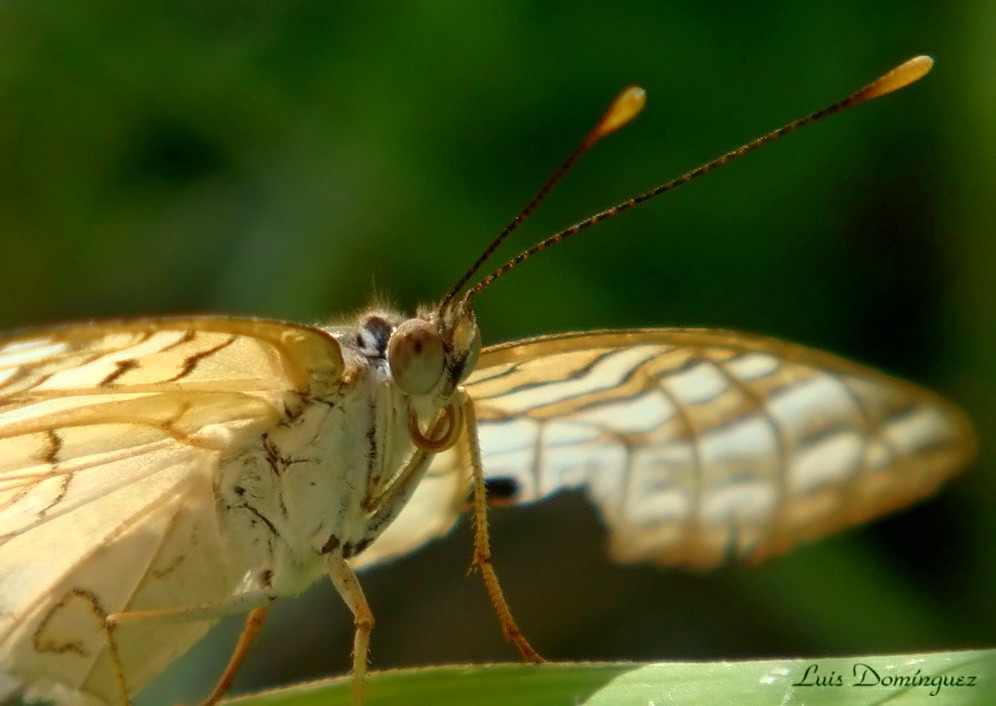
696, 446
110, 435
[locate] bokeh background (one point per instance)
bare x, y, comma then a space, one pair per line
290, 159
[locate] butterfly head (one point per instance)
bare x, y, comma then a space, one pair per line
433, 352
429, 355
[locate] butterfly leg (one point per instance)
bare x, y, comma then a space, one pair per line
255, 603
253, 624
349, 588
236, 605
482, 542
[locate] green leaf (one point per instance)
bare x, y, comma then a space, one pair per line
967, 677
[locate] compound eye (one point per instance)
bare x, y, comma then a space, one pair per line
415, 354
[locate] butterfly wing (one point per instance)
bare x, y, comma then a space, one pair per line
696, 446
109, 438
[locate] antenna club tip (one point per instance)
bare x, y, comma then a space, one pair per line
903, 75
624, 108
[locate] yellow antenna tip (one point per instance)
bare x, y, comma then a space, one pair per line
903, 75
624, 108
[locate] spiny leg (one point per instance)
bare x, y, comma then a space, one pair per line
349, 588
255, 602
482, 541
253, 624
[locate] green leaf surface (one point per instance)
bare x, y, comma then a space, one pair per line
965, 677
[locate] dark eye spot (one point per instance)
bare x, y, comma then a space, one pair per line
502, 490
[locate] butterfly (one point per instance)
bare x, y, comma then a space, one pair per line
158, 474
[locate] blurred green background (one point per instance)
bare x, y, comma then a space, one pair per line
289, 159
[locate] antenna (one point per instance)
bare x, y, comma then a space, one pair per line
899, 77
623, 109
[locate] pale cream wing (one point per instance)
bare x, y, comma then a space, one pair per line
699, 446
110, 434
